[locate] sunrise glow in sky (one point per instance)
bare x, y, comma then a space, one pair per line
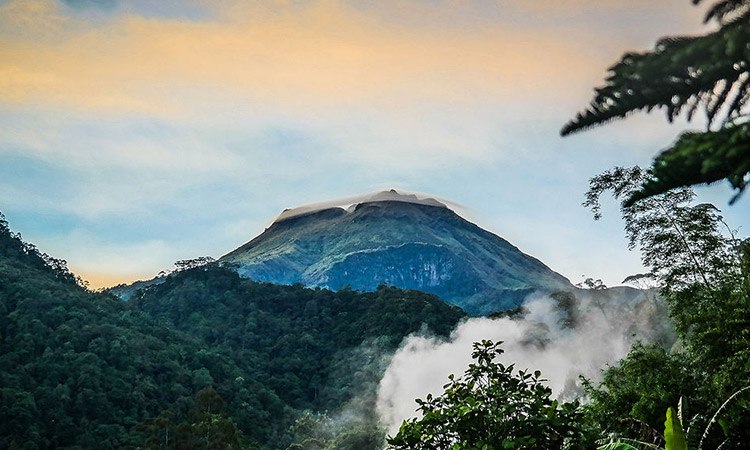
135, 133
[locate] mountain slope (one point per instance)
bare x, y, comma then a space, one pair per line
398, 240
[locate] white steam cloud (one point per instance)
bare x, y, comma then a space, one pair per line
564, 337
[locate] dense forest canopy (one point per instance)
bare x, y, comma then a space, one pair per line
86, 370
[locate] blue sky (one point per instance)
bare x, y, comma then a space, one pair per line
138, 133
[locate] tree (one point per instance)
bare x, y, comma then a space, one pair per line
158, 431
318, 431
632, 395
683, 244
681, 75
703, 271
208, 427
493, 407
676, 435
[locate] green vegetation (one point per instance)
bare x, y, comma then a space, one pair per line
681, 75
318, 431
304, 344
206, 427
493, 407
676, 435
701, 266
81, 370
704, 273
210, 359
638, 390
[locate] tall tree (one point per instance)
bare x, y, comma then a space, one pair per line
684, 74
703, 271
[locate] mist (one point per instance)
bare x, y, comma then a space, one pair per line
565, 335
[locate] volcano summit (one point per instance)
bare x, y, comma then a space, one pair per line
392, 238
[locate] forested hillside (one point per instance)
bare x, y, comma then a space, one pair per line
303, 341
205, 359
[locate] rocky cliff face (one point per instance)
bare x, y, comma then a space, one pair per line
396, 240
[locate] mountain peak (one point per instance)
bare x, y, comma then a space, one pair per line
350, 203
411, 241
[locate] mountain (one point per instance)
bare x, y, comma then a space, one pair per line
396, 239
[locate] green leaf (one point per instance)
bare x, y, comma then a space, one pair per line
700, 158
724, 426
674, 436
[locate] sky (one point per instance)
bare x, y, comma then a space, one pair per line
137, 133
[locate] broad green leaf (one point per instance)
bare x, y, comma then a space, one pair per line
674, 436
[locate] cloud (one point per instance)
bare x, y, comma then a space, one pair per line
37, 21
392, 84
388, 85
563, 339
314, 57
385, 195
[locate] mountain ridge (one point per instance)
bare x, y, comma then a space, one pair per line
347, 204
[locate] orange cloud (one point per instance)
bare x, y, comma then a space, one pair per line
322, 56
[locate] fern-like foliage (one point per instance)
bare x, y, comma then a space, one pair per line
683, 75
701, 158
725, 9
